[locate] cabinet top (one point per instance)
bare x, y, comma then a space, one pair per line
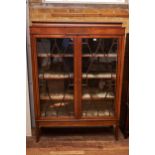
76, 24
75, 28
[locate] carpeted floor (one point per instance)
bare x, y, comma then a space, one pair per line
75, 141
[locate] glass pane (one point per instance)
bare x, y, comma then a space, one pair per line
55, 67
99, 59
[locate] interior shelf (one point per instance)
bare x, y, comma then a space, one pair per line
66, 76
57, 109
44, 55
56, 96
55, 75
109, 55
93, 113
66, 108
94, 95
99, 75
103, 109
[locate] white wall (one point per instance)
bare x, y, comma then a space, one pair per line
28, 118
29, 67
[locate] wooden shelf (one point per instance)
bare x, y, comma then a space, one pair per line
84, 76
98, 96
53, 111
66, 108
56, 96
110, 55
55, 76
99, 75
69, 96
106, 111
93, 113
44, 55
57, 109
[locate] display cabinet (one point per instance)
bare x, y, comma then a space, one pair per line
77, 74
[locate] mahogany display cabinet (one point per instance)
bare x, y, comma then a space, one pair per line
77, 74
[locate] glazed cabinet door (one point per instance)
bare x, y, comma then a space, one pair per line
55, 71
99, 74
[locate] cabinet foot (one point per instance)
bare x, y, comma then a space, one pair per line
37, 134
116, 132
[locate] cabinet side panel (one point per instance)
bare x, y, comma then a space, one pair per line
35, 75
120, 75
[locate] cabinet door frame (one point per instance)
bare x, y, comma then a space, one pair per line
34, 60
77, 75
119, 73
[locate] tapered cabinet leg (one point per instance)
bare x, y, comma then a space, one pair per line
116, 131
37, 134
